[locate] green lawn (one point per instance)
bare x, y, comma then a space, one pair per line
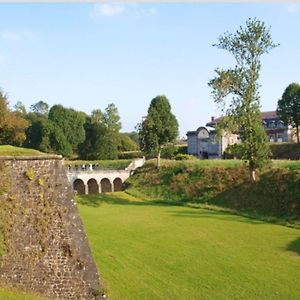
6, 294
148, 251
17, 151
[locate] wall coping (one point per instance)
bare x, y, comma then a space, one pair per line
32, 157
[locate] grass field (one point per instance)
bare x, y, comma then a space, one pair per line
17, 151
6, 294
149, 251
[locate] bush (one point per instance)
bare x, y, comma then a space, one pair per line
233, 151
169, 152
185, 157
130, 154
285, 151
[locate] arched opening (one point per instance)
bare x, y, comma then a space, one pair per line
118, 184
93, 187
105, 185
79, 187
204, 155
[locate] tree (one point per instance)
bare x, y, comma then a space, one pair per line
288, 107
20, 109
247, 46
70, 123
102, 134
12, 125
126, 143
159, 128
41, 108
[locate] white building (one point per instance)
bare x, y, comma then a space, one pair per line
204, 143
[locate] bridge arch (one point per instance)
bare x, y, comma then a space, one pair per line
78, 186
105, 185
118, 184
93, 187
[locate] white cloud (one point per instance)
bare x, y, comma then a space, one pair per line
292, 8
107, 10
16, 36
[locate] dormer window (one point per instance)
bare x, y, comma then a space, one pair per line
280, 124
272, 124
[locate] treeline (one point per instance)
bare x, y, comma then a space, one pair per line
65, 131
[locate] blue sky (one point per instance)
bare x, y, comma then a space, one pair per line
88, 55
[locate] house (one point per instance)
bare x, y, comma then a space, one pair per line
204, 143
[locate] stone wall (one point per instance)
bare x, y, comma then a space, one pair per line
46, 250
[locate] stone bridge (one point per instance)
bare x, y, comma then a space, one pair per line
90, 179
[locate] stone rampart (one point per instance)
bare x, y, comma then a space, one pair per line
46, 249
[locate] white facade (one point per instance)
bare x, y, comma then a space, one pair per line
203, 143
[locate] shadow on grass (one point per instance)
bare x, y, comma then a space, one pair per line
120, 199
294, 246
218, 215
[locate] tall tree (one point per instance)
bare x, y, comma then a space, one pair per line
159, 128
247, 45
70, 123
41, 108
12, 125
102, 134
288, 107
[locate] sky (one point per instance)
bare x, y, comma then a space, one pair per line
87, 55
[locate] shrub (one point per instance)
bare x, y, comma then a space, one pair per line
130, 154
184, 157
285, 150
233, 151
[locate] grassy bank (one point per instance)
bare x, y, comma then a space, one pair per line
7, 150
149, 251
9, 294
276, 196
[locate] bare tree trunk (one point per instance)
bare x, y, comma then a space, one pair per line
252, 171
158, 159
297, 131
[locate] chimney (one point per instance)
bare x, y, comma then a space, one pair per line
212, 118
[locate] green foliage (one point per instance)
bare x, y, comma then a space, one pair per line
159, 128
41, 181
30, 174
12, 125
272, 196
288, 108
130, 154
40, 108
70, 123
234, 151
247, 46
102, 135
177, 252
285, 151
184, 157
126, 143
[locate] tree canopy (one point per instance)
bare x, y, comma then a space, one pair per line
102, 135
247, 45
159, 127
12, 125
288, 107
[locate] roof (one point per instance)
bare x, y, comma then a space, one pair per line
266, 115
